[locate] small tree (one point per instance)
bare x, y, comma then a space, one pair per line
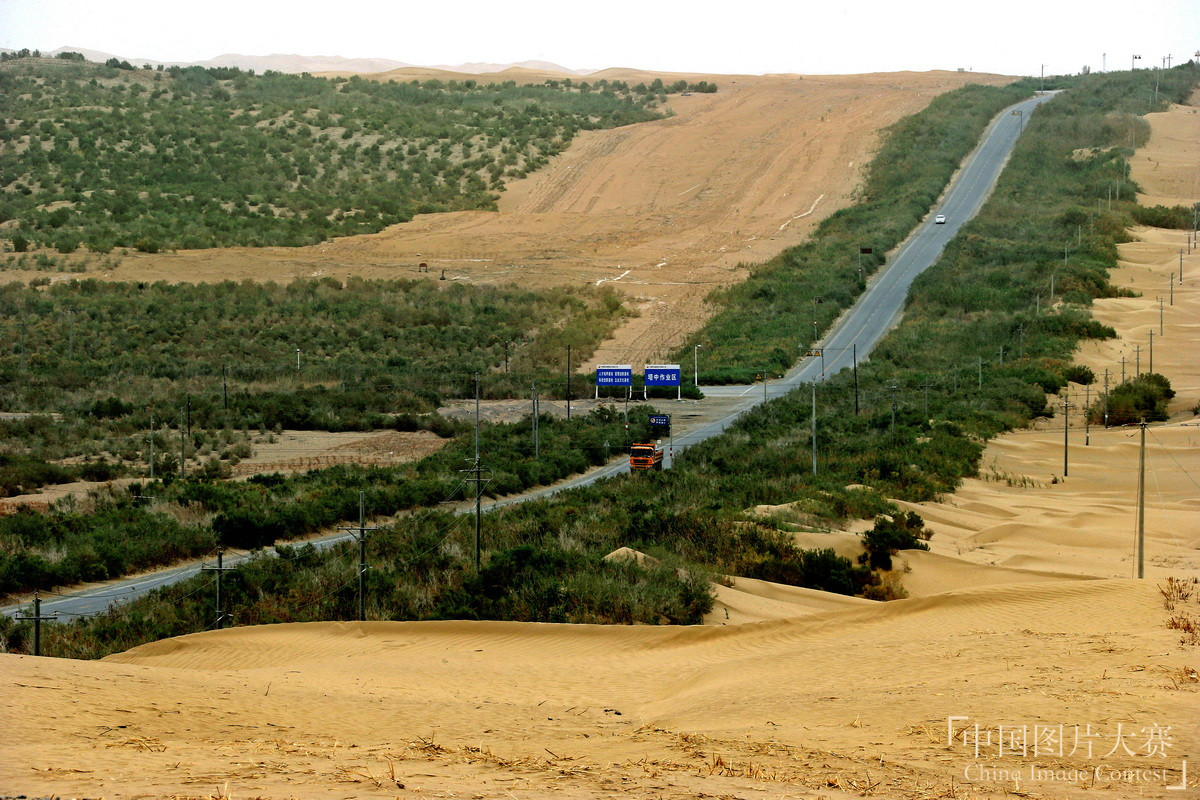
904, 531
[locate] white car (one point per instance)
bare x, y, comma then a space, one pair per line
940, 219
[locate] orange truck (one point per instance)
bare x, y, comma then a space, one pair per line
645, 456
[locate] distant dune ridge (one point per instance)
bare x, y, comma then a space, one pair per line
291, 62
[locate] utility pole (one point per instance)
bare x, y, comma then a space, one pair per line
1151, 351
1087, 413
1066, 426
854, 359
362, 556
1172, 289
1141, 505
1122, 368
893, 428
1137, 361
477, 469
696, 366
152, 445
297, 360
533, 394
182, 449
815, 301
814, 428
568, 382
37, 623
981, 373
1105, 398
220, 569
1160, 316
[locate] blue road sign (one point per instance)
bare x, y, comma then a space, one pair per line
662, 420
662, 374
614, 375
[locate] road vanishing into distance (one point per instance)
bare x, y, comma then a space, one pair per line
856, 332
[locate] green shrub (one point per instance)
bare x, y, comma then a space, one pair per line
890, 534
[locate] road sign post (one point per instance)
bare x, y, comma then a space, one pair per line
661, 375
613, 375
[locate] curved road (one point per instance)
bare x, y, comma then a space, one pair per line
876, 312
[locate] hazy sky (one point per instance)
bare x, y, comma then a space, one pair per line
746, 36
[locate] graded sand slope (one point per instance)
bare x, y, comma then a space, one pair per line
1166, 167
824, 705
750, 600
1022, 514
664, 211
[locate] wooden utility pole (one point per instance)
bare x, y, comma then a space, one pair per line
477, 469
37, 623
814, 428
1141, 505
220, 569
569, 382
362, 556
854, 351
1087, 413
1066, 426
182, 449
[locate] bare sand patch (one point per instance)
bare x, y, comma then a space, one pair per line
664, 211
298, 451
833, 704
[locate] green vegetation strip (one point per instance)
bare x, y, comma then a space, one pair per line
107, 156
118, 531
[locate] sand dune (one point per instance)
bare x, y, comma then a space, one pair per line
822, 705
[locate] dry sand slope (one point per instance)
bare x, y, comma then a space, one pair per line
835, 704
665, 211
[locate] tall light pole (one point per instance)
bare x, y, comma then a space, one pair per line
297, 359
696, 365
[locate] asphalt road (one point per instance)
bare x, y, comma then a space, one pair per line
859, 329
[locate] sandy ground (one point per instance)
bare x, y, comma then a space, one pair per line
835, 704
1023, 622
664, 211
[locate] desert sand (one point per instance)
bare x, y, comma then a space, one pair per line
833, 704
1023, 622
664, 211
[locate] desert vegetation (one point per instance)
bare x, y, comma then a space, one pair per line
107, 157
